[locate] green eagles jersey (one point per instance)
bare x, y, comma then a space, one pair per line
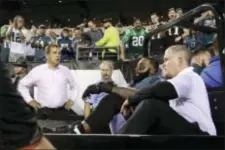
134, 39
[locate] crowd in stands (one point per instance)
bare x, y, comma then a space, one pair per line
129, 42
126, 43
168, 93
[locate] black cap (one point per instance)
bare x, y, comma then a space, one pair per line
107, 20
42, 26
21, 62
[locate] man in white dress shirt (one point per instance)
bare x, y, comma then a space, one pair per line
51, 80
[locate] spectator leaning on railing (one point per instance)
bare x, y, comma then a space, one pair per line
111, 38
94, 34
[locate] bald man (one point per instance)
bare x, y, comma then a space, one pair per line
110, 105
178, 106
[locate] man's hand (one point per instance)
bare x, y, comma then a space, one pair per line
68, 104
98, 88
106, 87
34, 104
125, 107
91, 89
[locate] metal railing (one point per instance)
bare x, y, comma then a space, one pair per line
94, 52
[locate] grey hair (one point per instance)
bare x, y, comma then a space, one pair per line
182, 51
108, 63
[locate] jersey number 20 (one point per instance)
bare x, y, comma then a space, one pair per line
137, 41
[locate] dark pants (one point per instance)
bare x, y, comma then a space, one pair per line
104, 112
56, 114
156, 117
150, 117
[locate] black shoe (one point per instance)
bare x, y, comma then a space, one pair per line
63, 129
69, 128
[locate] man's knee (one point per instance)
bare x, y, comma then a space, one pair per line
113, 98
111, 101
150, 104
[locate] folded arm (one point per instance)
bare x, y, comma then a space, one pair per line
162, 90
174, 88
103, 40
123, 92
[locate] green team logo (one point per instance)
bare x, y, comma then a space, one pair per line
137, 41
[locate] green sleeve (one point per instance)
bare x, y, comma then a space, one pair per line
126, 37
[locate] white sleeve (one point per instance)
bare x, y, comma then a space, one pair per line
27, 34
73, 86
182, 84
26, 83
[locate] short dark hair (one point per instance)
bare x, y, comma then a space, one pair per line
153, 14
201, 51
154, 63
107, 20
49, 47
93, 21
66, 30
136, 20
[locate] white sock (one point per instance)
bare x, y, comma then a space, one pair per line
76, 130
